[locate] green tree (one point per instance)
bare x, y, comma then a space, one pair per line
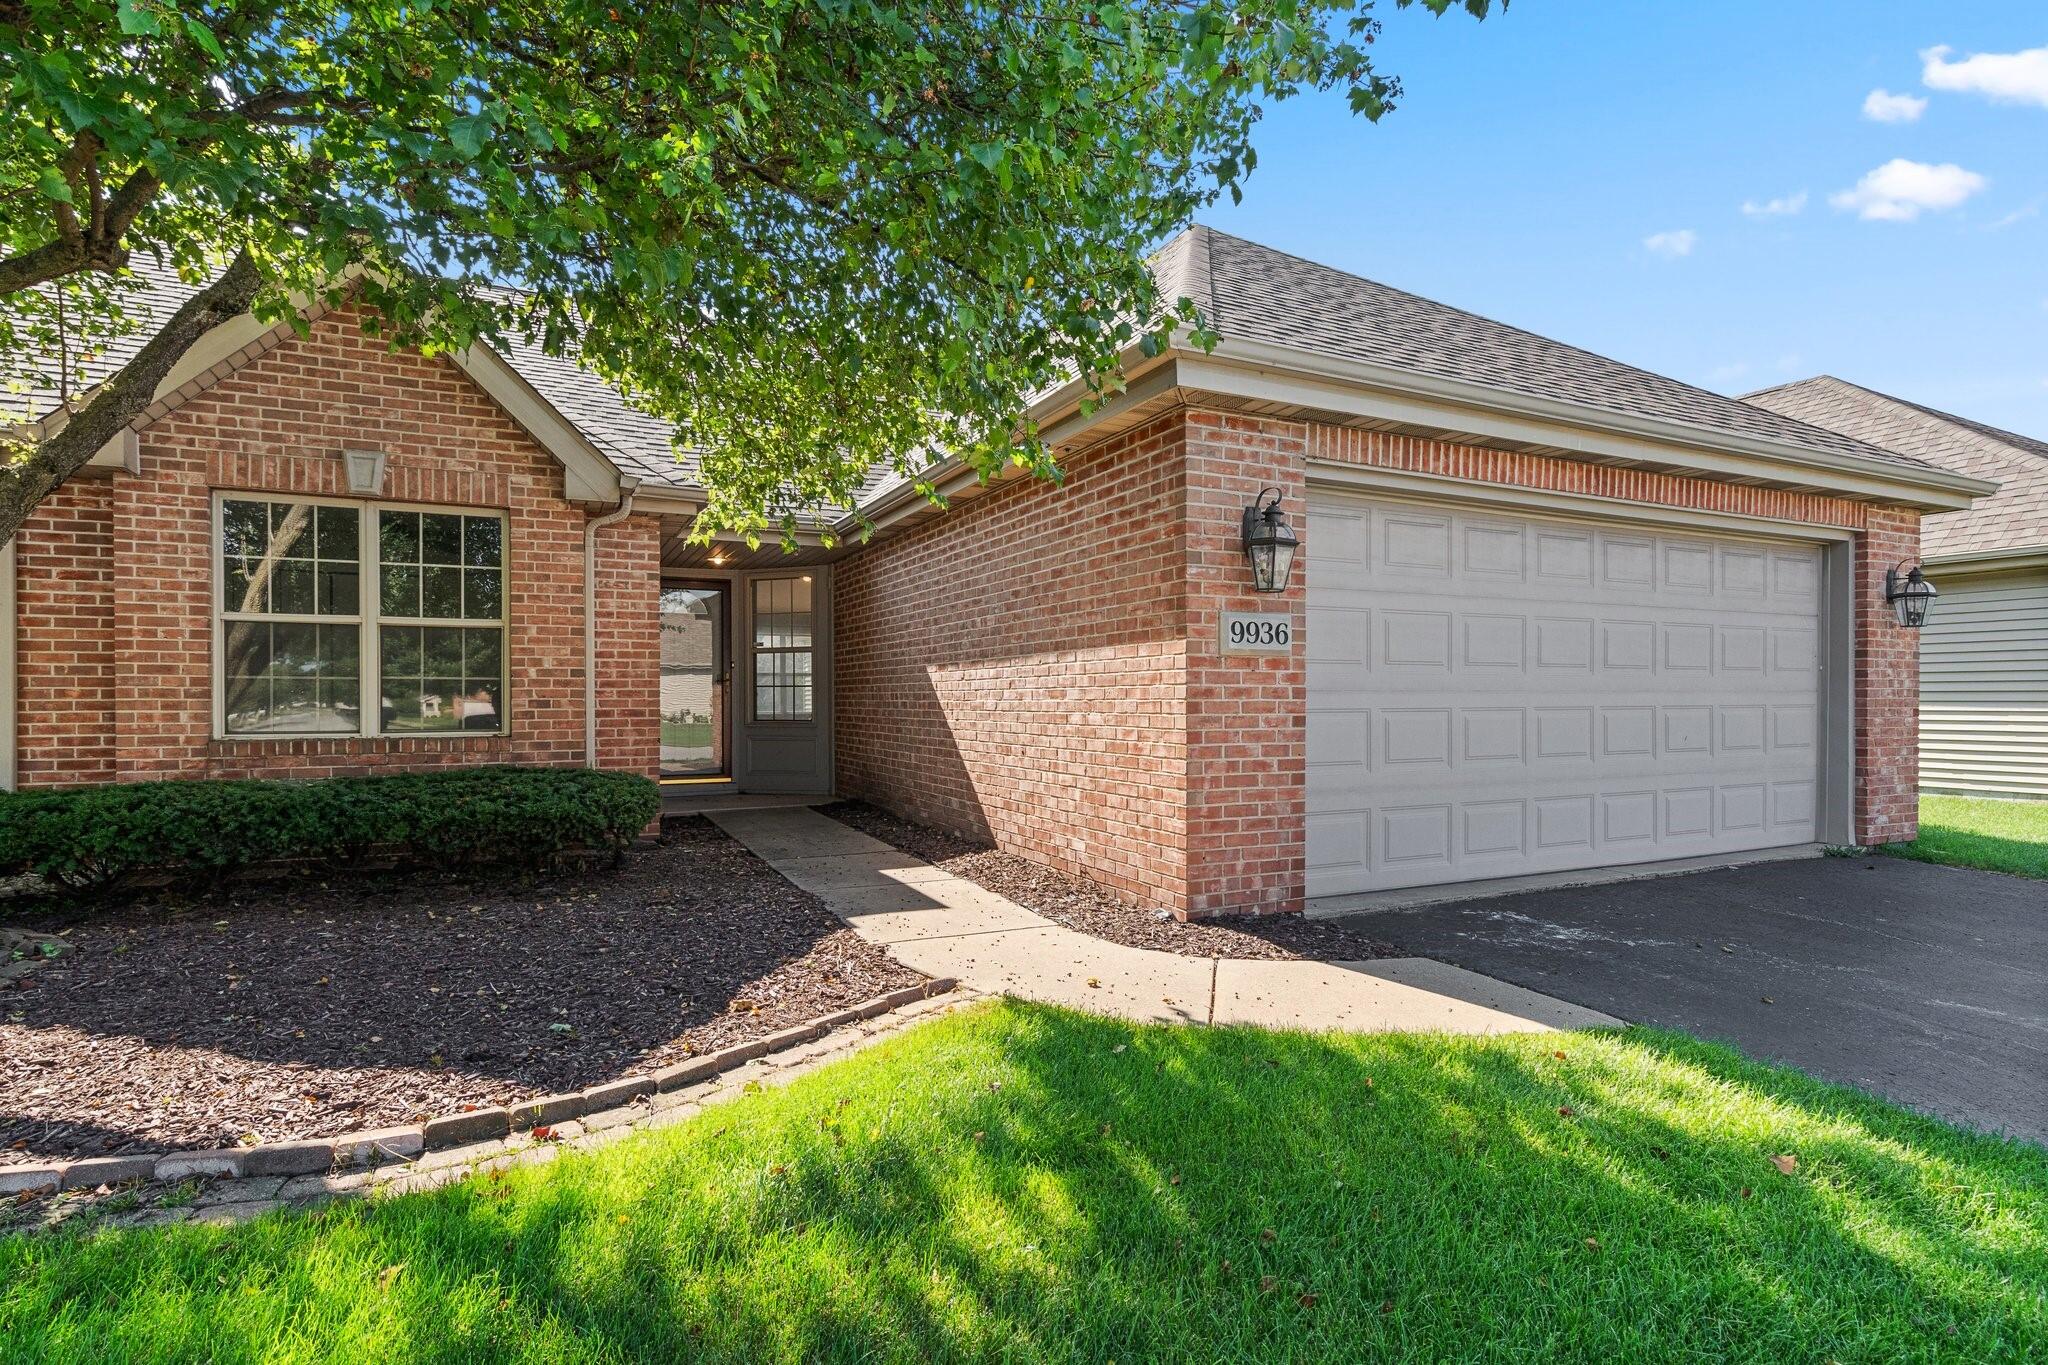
818, 235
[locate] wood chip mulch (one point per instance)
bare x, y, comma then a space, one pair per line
304, 1009
1081, 904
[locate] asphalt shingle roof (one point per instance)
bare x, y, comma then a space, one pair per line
1250, 291
2013, 518
1245, 291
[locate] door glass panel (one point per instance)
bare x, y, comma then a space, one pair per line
693, 682
782, 648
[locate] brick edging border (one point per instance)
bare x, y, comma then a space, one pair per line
406, 1142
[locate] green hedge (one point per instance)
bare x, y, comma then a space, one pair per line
94, 836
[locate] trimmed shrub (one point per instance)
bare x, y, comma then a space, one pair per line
94, 836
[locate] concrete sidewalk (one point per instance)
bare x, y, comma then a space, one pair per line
943, 925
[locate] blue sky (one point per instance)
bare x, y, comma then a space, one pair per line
1545, 166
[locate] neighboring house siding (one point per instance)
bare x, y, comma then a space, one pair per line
1984, 686
116, 575
1016, 668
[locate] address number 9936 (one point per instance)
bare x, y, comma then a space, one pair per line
1257, 632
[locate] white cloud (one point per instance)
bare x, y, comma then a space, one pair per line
1723, 376
1782, 207
2014, 77
2018, 215
1881, 106
1900, 190
1673, 244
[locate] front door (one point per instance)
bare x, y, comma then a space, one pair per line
695, 683
783, 700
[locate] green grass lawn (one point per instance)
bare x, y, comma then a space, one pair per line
2000, 836
686, 734
1021, 1183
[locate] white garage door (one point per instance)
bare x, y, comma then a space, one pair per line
1492, 695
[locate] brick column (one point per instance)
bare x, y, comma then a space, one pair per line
629, 646
1887, 685
1246, 714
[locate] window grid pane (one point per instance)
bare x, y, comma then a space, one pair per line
440, 566
441, 678
288, 559
284, 677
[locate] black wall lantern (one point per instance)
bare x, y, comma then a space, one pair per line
1909, 593
1269, 542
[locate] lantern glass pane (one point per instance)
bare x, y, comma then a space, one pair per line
1262, 566
1283, 565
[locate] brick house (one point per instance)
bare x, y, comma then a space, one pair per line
1548, 612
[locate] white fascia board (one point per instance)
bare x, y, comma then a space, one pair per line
1283, 374
587, 475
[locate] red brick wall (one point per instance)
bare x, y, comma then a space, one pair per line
629, 645
1887, 686
1015, 668
1887, 683
1044, 665
64, 639
1247, 714
279, 425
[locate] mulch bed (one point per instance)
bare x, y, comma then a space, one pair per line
303, 1009
1080, 904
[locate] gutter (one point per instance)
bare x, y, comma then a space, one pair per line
1991, 561
590, 530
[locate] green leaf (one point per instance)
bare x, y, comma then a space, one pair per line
202, 35
50, 181
136, 18
468, 132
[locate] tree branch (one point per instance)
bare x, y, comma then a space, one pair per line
27, 480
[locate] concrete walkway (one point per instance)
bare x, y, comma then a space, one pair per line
943, 925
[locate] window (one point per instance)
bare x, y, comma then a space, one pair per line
291, 618
782, 648
301, 586
440, 621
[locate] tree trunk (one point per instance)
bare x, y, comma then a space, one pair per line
47, 463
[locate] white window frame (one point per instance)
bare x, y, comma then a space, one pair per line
374, 619
368, 619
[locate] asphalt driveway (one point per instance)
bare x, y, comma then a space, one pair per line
1928, 985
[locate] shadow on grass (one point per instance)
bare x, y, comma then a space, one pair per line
1025, 1183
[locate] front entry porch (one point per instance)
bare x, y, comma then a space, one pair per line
746, 676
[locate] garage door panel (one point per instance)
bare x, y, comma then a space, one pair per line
1461, 726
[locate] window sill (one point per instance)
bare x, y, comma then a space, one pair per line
333, 737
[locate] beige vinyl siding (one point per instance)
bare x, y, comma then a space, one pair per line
1984, 686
